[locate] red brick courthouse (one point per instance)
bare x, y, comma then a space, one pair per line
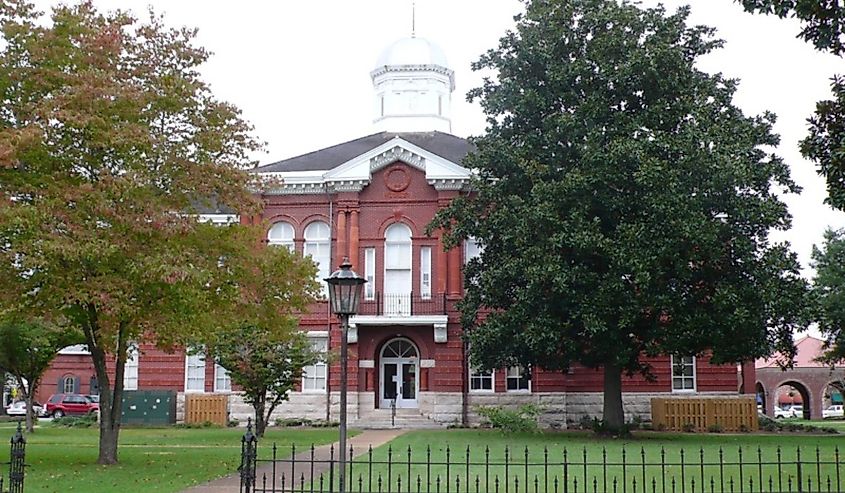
370, 199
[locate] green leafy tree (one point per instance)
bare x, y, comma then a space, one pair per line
823, 25
263, 348
266, 365
823, 21
26, 350
623, 203
826, 143
829, 290
109, 141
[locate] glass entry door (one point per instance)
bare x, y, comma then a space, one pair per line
399, 375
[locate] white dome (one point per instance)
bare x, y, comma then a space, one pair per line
412, 51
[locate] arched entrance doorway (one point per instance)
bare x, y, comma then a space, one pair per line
399, 374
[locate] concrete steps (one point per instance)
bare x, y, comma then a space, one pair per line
405, 419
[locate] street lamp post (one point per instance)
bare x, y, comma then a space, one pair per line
345, 288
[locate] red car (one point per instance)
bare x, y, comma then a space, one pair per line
67, 404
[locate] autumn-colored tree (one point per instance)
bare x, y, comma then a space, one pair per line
109, 144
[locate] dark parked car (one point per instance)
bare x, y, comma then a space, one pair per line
70, 404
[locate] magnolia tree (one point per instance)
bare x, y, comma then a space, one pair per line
823, 25
109, 143
623, 202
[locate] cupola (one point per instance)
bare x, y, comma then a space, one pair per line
413, 87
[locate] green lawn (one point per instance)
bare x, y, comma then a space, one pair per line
436, 445
836, 424
151, 459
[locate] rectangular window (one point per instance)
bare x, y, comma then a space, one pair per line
480, 381
130, 371
518, 380
370, 273
425, 272
471, 249
683, 373
222, 382
194, 373
314, 376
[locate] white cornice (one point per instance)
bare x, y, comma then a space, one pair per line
356, 173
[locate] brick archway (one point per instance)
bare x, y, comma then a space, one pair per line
812, 381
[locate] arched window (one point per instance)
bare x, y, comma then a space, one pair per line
281, 233
397, 270
317, 242
397, 242
69, 384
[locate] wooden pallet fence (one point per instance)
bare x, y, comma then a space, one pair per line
701, 414
201, 408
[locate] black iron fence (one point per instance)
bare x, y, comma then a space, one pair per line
17, 457
626, 470
403, 304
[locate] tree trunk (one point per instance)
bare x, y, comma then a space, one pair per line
27, 392
260, 422
109, 434
614, 416
110, 398
30, 425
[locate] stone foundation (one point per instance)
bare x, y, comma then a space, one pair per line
560, 409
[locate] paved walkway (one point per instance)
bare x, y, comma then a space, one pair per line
303, 471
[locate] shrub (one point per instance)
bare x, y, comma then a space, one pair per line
688, 428
322, 423
715, 428
233, 423
293, 422
85, 421
521, 419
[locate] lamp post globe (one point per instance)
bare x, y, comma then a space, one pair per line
345, 289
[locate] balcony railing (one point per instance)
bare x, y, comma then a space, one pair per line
403, 304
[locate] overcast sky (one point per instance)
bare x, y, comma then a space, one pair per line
299, 70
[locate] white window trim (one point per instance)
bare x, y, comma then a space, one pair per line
192, 391
370, 273
72, 380
312, 336
518, 391
217, 369
694, 388
492, 388
324, 264
133, 360
425, 270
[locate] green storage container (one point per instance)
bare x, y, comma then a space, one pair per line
148, 407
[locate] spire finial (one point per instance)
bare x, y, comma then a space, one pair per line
413, 19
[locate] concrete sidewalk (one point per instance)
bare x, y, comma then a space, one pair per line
304, 470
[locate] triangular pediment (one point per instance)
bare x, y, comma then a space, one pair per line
397, 149
355, 173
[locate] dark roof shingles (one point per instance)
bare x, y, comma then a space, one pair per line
445, 145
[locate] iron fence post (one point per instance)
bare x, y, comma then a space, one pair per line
249, 444
16, 462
